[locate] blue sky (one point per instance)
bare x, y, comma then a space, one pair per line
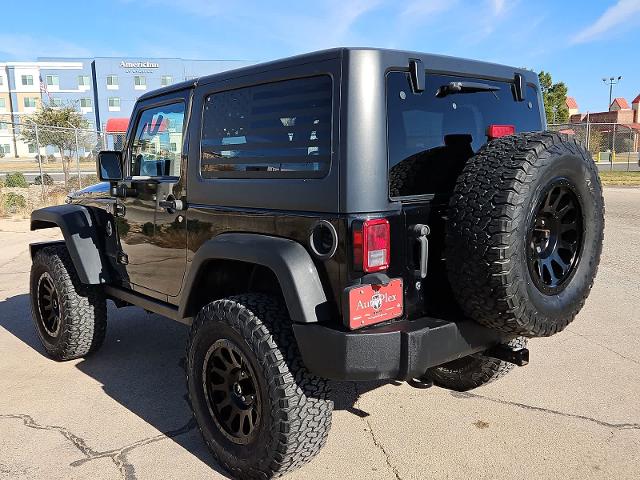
578, 41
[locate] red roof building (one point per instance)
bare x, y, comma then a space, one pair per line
571, 103
619, 103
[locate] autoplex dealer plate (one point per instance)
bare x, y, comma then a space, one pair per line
369, 304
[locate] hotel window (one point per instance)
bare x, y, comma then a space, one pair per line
83, 81
1, 80
53, 80
86, 103
166, 80
3, 104
29, 102
140, 82
3, 126
5, 148
27, 79
56, 102
32, 148
114, 104
112, 81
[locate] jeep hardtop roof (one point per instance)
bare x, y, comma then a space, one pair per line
381, 56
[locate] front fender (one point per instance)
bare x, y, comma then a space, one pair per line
80, 236
288, 260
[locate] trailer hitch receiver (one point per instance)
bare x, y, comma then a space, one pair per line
517, 356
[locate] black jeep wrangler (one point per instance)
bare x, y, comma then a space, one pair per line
350, 214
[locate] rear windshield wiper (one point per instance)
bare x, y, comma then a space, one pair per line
464, 87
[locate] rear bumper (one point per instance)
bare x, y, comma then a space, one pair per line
400, 350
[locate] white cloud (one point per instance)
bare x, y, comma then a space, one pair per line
300, 25
620, 14
23, 47
498, 6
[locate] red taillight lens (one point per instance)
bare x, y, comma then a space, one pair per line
371, 245
497, 131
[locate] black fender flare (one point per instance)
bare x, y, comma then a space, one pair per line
288, 260
80, 236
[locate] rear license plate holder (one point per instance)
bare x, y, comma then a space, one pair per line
370, 304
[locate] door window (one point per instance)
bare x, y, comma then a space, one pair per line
157, 144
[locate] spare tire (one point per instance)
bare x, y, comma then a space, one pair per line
524, 233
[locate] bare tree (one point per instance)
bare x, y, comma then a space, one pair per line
55, 127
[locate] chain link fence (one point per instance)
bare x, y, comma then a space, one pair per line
40, 165
47, 155
614, 146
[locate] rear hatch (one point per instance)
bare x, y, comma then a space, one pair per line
431, 135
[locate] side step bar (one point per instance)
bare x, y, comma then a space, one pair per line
148, 303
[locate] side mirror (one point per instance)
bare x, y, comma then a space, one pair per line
110, 166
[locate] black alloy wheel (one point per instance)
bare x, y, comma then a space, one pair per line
555, 237
231, 392
48, 305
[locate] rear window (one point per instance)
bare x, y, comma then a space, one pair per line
279, 130
430, 137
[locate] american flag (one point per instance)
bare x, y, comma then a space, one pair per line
44, 89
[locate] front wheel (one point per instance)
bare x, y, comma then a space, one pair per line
70, 317
260, 411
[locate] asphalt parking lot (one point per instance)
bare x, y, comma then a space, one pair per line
573, 413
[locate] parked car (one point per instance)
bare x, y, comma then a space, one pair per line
350, 214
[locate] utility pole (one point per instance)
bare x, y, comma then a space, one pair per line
611, 81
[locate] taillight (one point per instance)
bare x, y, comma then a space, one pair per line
371, 245
497, 131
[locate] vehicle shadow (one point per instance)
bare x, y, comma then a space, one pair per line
141, 366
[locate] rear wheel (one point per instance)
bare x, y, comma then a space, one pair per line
524, 233
70, 317
260, 411
473, 371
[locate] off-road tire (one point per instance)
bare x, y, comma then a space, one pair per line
296, 408
490, 214
82, 308
472, 371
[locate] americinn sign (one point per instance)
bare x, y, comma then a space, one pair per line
138, 67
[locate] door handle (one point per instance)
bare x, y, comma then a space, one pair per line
171, 204
420, 232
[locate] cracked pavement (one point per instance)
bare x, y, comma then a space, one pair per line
573, 413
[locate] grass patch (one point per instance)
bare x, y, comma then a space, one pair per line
620, 178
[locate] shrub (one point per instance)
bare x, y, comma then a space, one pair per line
12, 202
47, 179
72, 184
15, 179
147, 229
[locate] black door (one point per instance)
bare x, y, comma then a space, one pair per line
152, 231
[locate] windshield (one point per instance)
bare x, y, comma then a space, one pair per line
431, 136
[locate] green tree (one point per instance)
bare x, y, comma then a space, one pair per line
555, 97
55, 127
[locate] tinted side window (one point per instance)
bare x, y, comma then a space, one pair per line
275, 130
430, 137
157, 145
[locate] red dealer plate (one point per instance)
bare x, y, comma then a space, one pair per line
369, 304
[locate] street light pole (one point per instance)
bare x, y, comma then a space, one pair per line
611, 81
